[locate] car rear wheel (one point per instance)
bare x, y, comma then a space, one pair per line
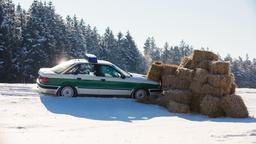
140, 94
68, 91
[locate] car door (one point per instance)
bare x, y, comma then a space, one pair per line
86, 81
112, 82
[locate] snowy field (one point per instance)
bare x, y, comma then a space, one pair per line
29, 118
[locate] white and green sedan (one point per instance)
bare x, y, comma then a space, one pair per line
94, 77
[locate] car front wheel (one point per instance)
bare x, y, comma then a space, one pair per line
140, 94
68, 91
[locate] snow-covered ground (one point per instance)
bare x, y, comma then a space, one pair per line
29, 118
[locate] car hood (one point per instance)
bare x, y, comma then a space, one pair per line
142, 78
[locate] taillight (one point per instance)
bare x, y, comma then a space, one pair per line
43, 79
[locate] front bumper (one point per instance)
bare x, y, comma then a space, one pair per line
155, 92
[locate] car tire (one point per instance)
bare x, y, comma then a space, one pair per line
68, 91
140, 94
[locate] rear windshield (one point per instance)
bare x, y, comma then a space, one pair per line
63, 66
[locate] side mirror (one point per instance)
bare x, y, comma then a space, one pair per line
123, 76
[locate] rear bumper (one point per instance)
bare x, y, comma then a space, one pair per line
47, 89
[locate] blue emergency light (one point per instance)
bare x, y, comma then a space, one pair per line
91, 58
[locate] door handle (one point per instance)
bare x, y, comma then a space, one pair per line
78, 78
103, 79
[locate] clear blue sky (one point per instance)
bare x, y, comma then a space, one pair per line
225, 26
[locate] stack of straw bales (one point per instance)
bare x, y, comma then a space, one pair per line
200, 84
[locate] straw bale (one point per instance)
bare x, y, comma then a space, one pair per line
172, 81
200, 75
185, 73
211, 106
234, 106
233, 88
162, 101
169, 69
195, 102
210, 90
204, 64
219, 67
177, 107
186, 62
219, 81
180, 96
181, 84
167, 81
207, 89
154, 72
232, 77
199, 55
196, 86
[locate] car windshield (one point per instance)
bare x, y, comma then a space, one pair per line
122, 71
63, 66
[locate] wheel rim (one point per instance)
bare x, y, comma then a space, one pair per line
140, 94
67, 91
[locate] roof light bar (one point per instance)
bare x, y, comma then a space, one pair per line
91, 58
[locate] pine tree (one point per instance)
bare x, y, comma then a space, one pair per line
92, 40
135, 59
165, 55
155, 51
2, 43
37, 42
151, 52
108, 45
20, 24
8, 36
77, 42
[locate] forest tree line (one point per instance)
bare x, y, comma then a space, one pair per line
39, 37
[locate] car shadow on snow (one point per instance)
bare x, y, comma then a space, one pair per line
120, 109
110, 109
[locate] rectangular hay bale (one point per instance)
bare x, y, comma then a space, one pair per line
214, 91
178, 107
233, 88
180, 84
210, 90
199, 55
195, 102
211, 106
154, 72
234, 106
169, 69
219, 67
167, 81
186, 62
162, 101
185, 73
180, 96
196, 86
200, 75
204, 64
172, 81
220, 81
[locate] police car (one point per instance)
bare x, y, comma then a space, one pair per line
90, 76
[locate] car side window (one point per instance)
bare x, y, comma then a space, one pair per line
87, 69
108, 71
72, 70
